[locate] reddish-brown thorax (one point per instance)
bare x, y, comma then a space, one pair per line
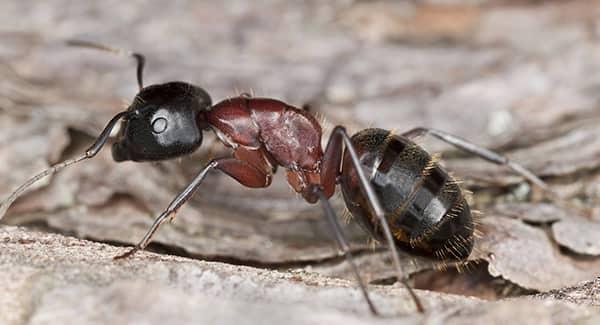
268, 133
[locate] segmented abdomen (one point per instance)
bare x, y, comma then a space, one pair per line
424, 206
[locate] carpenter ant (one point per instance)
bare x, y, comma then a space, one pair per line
392, 186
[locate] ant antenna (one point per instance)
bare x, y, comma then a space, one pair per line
89, 153
139, 58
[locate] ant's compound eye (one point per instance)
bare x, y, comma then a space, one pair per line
159, 125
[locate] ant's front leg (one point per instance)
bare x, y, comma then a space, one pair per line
240, 170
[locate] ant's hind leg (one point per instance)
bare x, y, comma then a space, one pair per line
343, 245
479, 151
331, 169
241, 171
493, 157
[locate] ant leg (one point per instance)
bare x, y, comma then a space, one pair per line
173, 206
481, 152
495, 158
343, 245
242, 171
339, 132
89, 153
139, 58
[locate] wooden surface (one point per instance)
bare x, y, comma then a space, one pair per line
521, 77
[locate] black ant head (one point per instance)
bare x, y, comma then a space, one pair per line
163, 122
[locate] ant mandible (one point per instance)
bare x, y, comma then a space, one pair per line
392, 186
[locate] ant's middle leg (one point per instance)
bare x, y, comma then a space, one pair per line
343, 245
329, 174
242, 171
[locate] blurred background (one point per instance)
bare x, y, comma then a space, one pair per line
521, 77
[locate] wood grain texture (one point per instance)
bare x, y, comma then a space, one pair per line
521, 77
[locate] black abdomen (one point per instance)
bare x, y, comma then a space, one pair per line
424, 206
